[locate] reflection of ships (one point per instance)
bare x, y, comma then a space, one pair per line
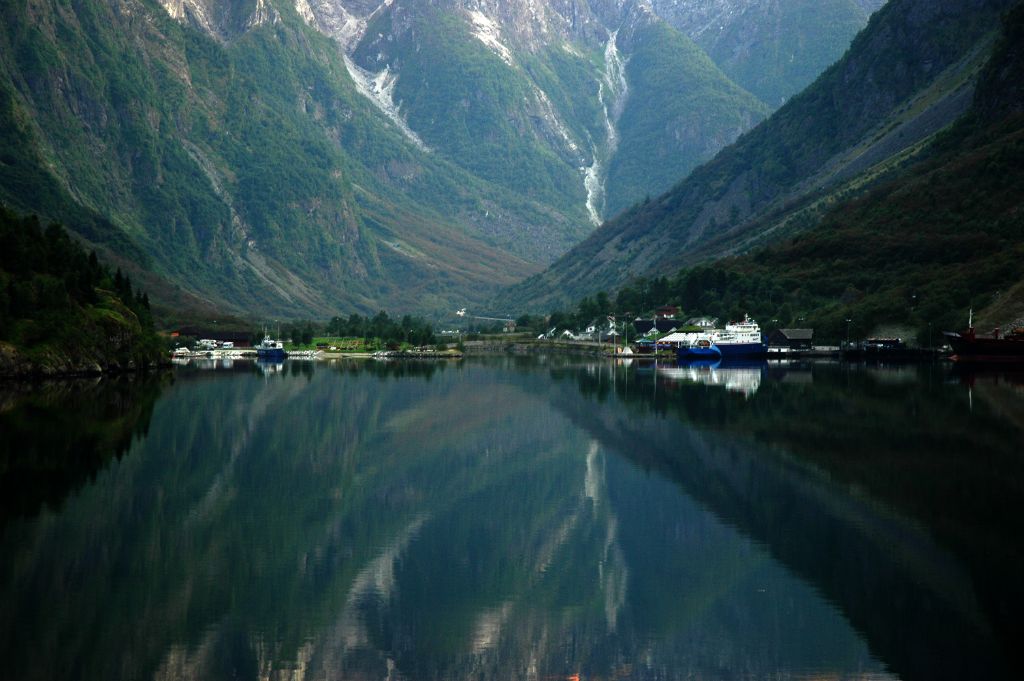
270, 349
741, 378
270, 366
968, 346
740, 339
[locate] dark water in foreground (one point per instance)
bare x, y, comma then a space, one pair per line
514, 519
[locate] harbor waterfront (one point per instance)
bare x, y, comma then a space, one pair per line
525, 517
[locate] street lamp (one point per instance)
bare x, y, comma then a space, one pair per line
848, 333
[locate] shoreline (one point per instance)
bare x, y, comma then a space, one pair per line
17, 366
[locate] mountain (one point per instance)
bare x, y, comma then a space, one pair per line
772, 48
682, 110
908, 75
237, 169
911, 256
307, 157
585, 105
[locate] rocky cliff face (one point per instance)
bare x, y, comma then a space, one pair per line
770, 48
222, 19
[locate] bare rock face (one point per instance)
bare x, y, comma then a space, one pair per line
222, 19
529, 25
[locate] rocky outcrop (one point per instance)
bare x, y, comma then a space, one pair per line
222, 19
102, 344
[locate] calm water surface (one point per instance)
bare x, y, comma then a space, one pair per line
513, 519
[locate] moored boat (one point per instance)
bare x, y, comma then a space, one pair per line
741, 339
968, 346
271, 349
737, 340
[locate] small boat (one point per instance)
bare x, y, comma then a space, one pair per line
968, 346
270, 349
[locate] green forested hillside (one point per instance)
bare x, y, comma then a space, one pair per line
681, 110
917, 252
61, 310
463, 99
233, 156
532, 117
775, 49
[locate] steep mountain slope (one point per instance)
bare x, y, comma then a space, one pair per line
681, 112
314, 156
945, 235
581, 104
773, 48
248, 170
906, 76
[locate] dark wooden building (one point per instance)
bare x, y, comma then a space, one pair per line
794, 339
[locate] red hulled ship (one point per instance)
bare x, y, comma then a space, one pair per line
968, 346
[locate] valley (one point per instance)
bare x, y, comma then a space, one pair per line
279, 158
858, 136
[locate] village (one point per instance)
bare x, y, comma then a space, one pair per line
664, 333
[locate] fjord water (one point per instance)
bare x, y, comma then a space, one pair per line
513, 519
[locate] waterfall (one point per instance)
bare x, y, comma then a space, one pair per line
612, 92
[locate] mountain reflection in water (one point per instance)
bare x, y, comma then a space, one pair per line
531, 519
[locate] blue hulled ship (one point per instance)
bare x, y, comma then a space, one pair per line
271, 349
740, 340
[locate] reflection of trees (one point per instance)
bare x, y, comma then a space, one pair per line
802, 466
57, 436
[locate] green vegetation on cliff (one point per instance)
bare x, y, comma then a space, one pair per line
61, 310
465, 100
246, 171
680, 111
776, 49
